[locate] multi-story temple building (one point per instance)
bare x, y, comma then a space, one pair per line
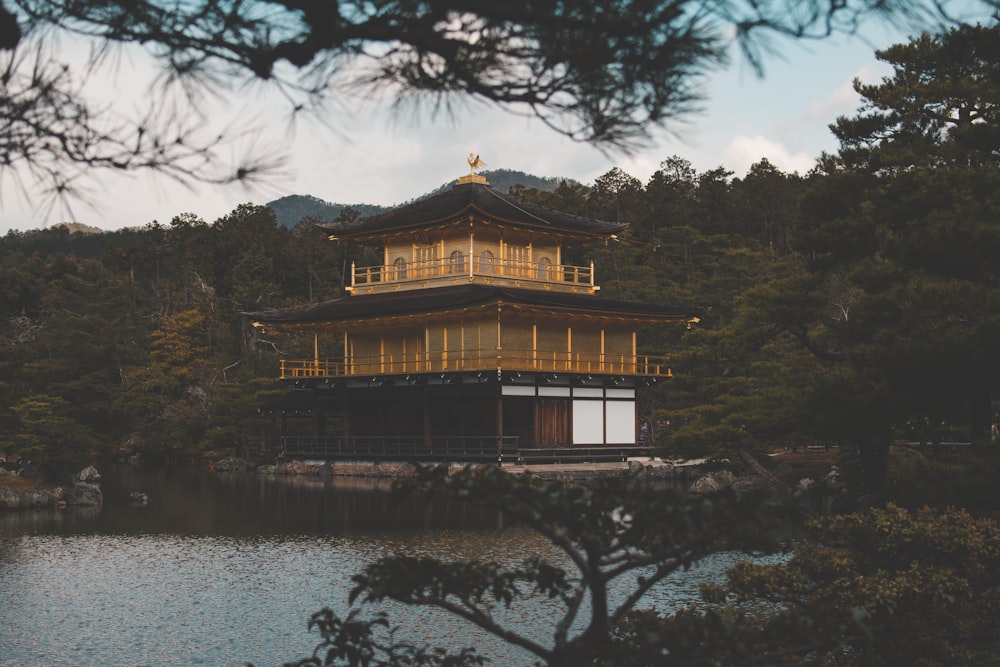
471, 331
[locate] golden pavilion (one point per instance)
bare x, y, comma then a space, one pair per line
471, 335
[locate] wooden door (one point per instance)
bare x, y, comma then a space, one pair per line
553, 422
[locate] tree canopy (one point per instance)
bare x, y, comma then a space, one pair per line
923, 584
881, 271
941, 106
902, 226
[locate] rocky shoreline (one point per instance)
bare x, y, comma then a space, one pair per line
83, 491
692, 476
397, 470
689, 472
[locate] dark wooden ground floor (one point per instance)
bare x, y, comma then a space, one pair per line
425, 413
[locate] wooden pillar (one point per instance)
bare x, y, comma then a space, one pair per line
500, 413
635, 353
427, 417
316, 352
538, 420
444, 347
604, 417
499, 340
534, 346
635, 433
569, 349
427, 348
602, 350
347, 416
320, 420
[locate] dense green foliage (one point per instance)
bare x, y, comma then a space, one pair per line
135, 341
925, 584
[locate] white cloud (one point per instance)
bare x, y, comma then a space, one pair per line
841, 101
844, 100
641, 166
743, 152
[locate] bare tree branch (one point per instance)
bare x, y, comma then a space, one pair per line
581, 66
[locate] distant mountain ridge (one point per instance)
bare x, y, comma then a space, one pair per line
289, 210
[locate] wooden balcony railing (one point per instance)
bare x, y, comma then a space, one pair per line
477, 360
541, 272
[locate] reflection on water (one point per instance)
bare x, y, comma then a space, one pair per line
225, 570
196, 502
183, 600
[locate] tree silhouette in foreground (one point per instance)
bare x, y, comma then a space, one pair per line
616, 533
880, 587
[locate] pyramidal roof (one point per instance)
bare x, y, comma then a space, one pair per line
475, 199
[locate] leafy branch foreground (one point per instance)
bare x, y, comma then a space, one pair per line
609, 530
880, 587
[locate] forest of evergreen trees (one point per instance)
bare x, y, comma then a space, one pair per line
858, 304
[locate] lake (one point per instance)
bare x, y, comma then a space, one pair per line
226, 569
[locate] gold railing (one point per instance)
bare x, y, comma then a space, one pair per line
495, 268
477, 360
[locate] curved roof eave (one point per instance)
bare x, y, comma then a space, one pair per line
452, 205
463, 297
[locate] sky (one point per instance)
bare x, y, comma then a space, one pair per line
372, 156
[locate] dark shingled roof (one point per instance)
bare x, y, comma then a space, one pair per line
473, 199
441, 299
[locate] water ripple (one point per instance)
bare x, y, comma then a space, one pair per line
136, 600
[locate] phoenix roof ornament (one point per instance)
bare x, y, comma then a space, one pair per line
474, 163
